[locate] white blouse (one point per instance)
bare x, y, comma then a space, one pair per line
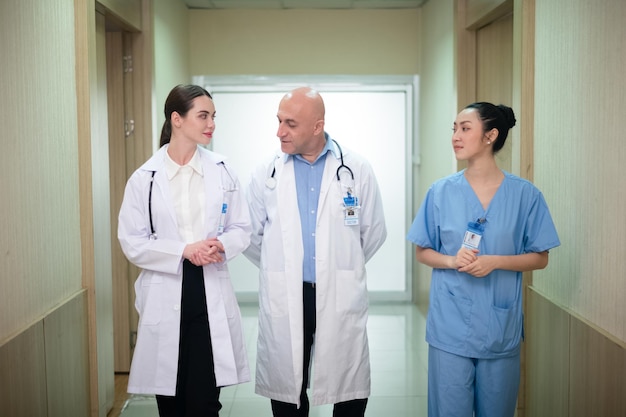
187, 189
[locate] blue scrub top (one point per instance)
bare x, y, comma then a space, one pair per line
480, 317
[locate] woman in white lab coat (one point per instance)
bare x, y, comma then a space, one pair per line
343, 244
181, 220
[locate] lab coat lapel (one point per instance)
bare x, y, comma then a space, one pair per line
330, 167
288, 203
213, 194
286, 186
161, 194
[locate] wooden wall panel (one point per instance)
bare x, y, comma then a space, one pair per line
23, 375
67, 363
44, 371
575, 369
598, 373
547, 356
40, 240
580, 97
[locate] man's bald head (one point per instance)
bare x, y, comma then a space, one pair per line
308, 100
301, 122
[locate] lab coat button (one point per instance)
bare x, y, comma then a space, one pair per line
176, 307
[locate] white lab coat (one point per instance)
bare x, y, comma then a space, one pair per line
341, 369
158, 287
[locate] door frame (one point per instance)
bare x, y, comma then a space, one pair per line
129, 51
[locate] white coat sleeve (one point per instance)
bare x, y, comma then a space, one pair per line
236, 235
161, 255
258, 214
373, 228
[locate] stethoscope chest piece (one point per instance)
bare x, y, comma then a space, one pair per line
270, 183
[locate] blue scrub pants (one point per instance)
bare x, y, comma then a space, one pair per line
466, 387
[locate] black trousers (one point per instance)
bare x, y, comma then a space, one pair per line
353, 408
196, 390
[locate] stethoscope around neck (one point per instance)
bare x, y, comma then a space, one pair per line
153, 235
270, 182
232, 186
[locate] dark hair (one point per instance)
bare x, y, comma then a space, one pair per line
499, 117
179, 100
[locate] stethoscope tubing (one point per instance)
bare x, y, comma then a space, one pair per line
271, 181
153, 234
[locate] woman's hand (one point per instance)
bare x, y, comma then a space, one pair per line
204, 252
480, 267
464, 257
485, 264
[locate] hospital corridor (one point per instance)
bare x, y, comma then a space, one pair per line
398, 356
85, 85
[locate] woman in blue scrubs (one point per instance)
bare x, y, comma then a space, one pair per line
479, 229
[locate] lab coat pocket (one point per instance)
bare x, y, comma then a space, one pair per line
351, 291
228, 294
150, 292
505, 329
274, 294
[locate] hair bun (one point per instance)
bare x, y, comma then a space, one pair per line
509, 116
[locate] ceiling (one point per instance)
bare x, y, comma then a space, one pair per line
304, 4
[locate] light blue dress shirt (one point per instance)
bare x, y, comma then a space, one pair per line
308, 183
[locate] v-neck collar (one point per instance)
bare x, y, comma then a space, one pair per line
471, 196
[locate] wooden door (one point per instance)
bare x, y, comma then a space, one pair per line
494, 72
121, 137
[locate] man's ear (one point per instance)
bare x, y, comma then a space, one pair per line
318, 127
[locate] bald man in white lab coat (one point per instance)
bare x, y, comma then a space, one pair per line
317, 218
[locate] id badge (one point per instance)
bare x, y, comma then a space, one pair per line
220, 228
351, 210
473, 234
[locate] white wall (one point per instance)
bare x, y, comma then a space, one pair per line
370, 120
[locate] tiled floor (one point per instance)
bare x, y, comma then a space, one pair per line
398, 358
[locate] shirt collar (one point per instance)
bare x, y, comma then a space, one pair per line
332, 146
172, 168
328, 146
